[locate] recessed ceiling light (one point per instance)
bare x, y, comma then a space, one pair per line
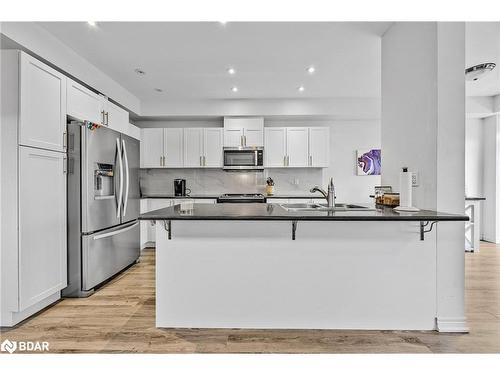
139, 71
301, 88
92, 23
234, 89
231, 71
311, 70
158, 90
223, 23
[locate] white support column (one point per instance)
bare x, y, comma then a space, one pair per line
423, 128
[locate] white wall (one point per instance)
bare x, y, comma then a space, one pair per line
423, 128
474, 160
491, 179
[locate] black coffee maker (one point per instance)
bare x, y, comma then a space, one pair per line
180, 189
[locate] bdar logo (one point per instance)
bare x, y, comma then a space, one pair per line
8, 346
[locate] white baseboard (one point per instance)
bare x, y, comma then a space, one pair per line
455, 324
10, 319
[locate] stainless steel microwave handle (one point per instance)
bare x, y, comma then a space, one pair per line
114, 233
256, 158
127, 181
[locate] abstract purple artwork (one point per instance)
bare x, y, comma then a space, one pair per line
368, 162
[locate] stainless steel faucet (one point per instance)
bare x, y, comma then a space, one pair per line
330, 195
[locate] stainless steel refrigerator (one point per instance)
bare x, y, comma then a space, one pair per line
103, 206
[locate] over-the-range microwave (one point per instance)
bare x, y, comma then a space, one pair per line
243, 158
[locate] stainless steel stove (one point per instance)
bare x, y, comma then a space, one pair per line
242, 198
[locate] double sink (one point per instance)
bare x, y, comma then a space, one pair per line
323, 207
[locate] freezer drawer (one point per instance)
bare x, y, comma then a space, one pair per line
107, 252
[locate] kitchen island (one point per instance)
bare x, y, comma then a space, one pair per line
263, 266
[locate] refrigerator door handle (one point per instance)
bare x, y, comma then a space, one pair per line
127, 181
120, 189
115, 232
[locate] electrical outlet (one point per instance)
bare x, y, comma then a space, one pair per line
414, 179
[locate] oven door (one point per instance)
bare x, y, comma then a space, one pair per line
243, 159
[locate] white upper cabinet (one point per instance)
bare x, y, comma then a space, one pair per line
152, 148
212, 147
173, 147
243, 132
84, 104
193, 147
178, 148
297, 147
42, 107
319, 147
42, 224
134, 131
117, 118
233, 137
275, 147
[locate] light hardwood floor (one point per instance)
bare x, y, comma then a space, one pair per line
120, 318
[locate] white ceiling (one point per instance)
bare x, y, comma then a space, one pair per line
482, 44
189, 60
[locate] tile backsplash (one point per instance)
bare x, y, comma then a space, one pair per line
217, 181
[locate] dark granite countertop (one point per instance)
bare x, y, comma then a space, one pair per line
269, 211
171, 196
475, 198
295, 196
214, 196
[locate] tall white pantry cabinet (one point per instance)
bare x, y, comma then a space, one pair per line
33, 186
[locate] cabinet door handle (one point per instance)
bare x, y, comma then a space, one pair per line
201, 161
107, 118
161, 158
204, 160
310, 160
102, 118
284, 160
241, 140
65, 165
288, 160
65, 140
245, 138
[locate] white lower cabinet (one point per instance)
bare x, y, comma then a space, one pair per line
151, 205
42, 224
277, 200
